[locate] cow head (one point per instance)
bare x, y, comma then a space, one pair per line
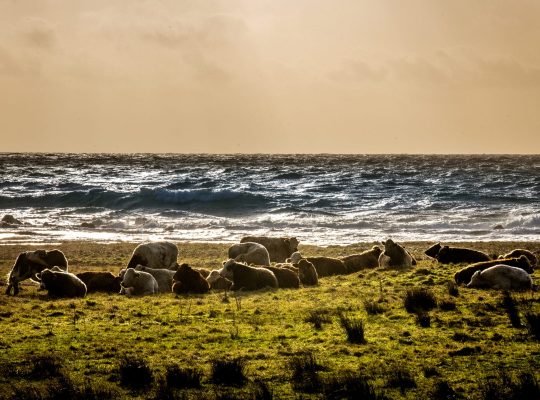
293, 244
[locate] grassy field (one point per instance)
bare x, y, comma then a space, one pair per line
282, 343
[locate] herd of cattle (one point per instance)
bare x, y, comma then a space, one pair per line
153, 268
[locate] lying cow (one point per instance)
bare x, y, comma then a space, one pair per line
502, 277
279, 249
138, 283
521, 252
164, 277
218, 282
366, 259
189, 280
100, 282
286, 278
249, 253
327, 266
30, 263
464, 275
455, 255
247, 277
59, 283
395, 256
154, 255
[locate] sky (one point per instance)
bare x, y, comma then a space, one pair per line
275, 76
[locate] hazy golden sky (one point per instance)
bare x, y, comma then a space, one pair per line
285, 76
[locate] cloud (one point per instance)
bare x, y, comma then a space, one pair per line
359, 71
38, 33
451, 67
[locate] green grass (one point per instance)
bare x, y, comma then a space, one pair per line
265, 329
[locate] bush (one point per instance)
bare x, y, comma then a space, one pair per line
503, 387
372, 307
354, 329
447, 305
509, 304
402, 379
419, 299
134, 373
533, 324
44, 367
182, 378
423, 320
443, 391
305, 373
229, 372
348, 385
318, 318
453, 289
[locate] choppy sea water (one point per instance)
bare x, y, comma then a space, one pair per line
321, 199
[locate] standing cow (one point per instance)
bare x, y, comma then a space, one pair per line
30, 263
279, 249
155, 255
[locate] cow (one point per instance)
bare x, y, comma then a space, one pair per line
154, 255
279, 249
366, 259
307, 273
395, 255
502, 277
464, 275
327, 266
30, 263
218, 282
100, 282
286, 278
456, 255
250, 253
59, 283
247, 277
138, 283
521, 252
164, 277
189, 280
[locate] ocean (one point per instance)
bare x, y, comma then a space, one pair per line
320, 199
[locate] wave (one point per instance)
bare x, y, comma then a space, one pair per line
146, 198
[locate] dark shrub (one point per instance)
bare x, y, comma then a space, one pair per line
402, 379
65, 389
533, 324
354, 329
443, 391
453, 289
261, 391
526, 387
135, 373
182, 378
350, 386
423, 320
419, 299
373, 307
318, 318
447, 305
229, 372
305, 373
44, 367
510, 305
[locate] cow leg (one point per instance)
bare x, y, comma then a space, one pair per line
8, 290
